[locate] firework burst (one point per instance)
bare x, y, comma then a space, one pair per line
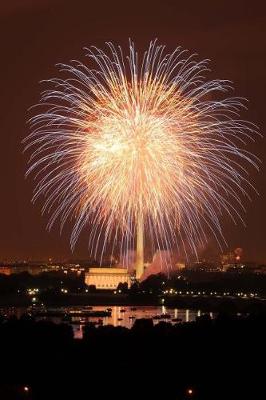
131, 144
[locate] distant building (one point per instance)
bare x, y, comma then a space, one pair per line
232, 259
31, 269
246, 267
5, 270
180, 265
107, 278
204, 266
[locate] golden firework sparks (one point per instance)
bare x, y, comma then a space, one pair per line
131, 146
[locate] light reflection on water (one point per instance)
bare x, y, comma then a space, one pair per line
120, 315
125, 316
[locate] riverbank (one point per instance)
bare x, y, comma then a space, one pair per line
204, 303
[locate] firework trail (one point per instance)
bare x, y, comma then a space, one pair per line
125, 141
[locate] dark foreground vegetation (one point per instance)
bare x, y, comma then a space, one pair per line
206, 359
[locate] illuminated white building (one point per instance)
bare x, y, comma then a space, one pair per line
107, 278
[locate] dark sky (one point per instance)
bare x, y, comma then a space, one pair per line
35, 35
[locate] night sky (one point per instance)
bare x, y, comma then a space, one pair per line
35, 35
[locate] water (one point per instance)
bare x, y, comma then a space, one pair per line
125, 316
120, 315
